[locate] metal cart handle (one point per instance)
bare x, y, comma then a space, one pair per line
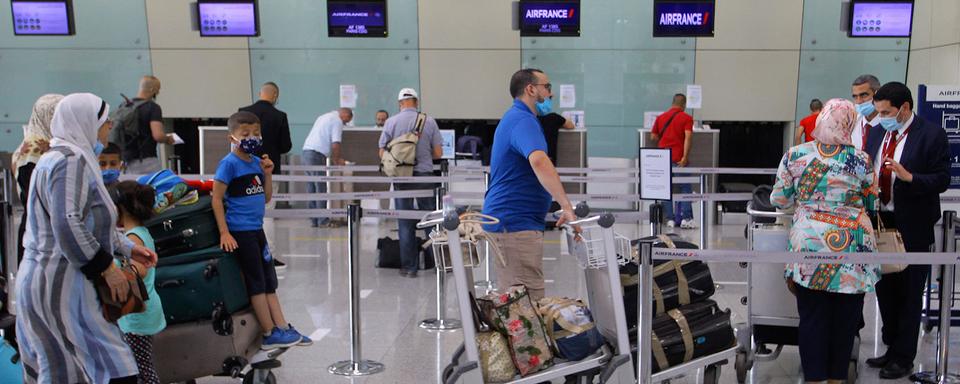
753, 212
431, 219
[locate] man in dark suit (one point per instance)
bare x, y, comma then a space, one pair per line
273, 124
912, 162
276, 139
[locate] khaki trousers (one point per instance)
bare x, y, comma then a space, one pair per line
523, 253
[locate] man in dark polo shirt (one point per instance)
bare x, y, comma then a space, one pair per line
522, 181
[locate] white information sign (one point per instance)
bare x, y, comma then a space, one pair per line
656, 175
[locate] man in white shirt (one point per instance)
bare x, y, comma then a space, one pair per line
863, 89
322, 143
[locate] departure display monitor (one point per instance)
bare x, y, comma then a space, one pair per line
682, 18
881, 18
357, 18
39, 18
549, 18
228, 18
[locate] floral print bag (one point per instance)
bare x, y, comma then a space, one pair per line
513, 314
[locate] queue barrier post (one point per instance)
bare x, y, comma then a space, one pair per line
645, 314
487, 283
441, 322
656, 218
941, 375
703, 213
356, 366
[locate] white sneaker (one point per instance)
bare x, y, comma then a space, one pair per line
671, 224
688, 224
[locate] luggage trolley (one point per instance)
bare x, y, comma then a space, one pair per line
612, 366
772, 316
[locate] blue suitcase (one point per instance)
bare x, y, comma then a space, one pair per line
11, 371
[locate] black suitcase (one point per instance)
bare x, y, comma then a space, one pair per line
708, 328
388, 254
672, 294
185, 228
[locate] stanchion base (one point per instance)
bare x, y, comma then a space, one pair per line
485, 284
356, 368
440, 324
931, 378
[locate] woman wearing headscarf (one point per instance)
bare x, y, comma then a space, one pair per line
831, 185
36, 142
70, 240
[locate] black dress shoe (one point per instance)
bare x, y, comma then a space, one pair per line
878, 362
895, 370
403, 272
412, 274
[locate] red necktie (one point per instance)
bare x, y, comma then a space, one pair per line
866, 132
885, 174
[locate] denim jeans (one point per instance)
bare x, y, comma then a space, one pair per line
683, 209
409, 247
316, 158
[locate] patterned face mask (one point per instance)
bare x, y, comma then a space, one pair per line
251, 145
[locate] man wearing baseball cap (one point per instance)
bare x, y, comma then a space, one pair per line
428, 149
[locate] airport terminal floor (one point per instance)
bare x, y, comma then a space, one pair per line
313, 289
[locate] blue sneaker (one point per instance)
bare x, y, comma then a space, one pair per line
304, 340
279, 339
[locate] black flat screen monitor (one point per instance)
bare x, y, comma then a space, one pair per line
356, 18
549, 18
42, 18
683, 18
219, 18
881, 18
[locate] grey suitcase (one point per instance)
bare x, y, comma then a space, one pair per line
192, 350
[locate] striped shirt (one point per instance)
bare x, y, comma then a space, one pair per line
62, 333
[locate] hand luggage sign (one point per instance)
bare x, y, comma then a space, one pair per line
940, 104
656, 175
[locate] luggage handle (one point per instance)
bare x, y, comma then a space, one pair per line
171, 283
211, 270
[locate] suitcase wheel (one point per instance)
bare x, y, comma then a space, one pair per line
233, 366
211, 270
222, 321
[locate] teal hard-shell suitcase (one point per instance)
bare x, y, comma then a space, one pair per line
184, 228
200, 285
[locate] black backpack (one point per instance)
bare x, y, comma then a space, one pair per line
126, 123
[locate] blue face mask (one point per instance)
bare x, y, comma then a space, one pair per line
544, 107
891, 124
97, 148
866, 108
251, 145
110, 176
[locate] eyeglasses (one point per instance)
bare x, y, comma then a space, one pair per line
548, 86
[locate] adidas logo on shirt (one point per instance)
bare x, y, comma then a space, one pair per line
256, 186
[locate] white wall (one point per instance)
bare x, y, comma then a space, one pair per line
466, 61
200, 77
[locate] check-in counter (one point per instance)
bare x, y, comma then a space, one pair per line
360, 145
704, 153
704, 150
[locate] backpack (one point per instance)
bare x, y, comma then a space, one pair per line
126, 123
400, 155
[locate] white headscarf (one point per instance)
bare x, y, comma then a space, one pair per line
36, 134
75, 124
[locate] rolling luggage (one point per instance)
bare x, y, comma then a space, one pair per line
11, 370
675, 283
388, 254
205, 284
687, 333
192, 350
184, 228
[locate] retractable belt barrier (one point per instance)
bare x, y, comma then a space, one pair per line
352, 195
741, 256
336, 213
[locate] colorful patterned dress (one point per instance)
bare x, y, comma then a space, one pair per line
833, 189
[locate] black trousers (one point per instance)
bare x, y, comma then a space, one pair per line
828, 325
900, 296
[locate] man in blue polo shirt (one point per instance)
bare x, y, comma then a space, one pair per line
522, 181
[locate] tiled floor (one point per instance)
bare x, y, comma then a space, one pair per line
314, 293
